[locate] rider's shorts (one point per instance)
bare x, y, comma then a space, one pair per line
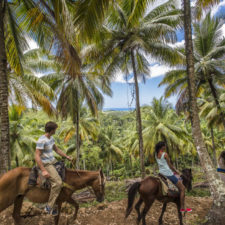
173, 179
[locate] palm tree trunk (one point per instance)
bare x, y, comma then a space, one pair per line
217, 188
214, 93
214, 148
138, 117
4, 116
77, 140
84, 164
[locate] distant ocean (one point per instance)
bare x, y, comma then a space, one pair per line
118, 109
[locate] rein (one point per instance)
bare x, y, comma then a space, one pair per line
86, 186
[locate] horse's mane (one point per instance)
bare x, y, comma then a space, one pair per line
82, 171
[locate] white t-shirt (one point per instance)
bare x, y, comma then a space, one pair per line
45, 145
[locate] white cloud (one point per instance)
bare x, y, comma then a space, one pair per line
177, 44
223, 30
119, 78
32, 44
156, 71
159, 70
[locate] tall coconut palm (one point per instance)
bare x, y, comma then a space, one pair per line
160, 122
89, 127
12, 44
217, 187
209, 54
129, 35
72, 92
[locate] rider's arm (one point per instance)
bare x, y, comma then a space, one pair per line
40, 164
170, 164
60, 152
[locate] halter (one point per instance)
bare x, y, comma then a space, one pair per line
102, 184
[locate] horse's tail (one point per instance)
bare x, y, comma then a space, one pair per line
131, 195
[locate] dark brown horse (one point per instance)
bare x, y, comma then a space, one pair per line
14, 187
150, 189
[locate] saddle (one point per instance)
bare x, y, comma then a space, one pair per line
168, 188
36, 178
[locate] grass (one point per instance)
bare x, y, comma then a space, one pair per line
199, 192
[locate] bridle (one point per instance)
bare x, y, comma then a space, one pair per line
101, 185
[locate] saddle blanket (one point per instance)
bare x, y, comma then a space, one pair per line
36, 177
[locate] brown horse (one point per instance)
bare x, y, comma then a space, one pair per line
150, 189
14, 187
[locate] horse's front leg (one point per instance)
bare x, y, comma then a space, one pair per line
75, 204
56, 218
162, 213
179, 213
137, 207
17, 208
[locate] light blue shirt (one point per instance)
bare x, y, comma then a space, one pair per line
164, 168
45, 145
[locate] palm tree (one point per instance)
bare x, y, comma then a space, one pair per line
21, 141
28, 87
209, 111
130, 33
203, 5
216, 185
110, 148
72, 92
209, 64
160, 122
50, 23
12, 44
88, 130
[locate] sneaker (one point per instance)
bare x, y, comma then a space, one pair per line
188, 210
51, 211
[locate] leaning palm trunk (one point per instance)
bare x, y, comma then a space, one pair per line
77, 139
215, 96
4, 116
217, 187
214, 147
138, 117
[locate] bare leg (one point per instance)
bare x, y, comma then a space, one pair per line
76, 205
179, 213
182, 193
17, 208
137, 207
148, 204
56, 218
162, 213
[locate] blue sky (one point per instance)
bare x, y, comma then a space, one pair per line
122, 91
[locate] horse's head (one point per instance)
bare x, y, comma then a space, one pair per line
187, 178
99, 186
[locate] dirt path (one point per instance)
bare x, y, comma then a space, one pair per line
112, 214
